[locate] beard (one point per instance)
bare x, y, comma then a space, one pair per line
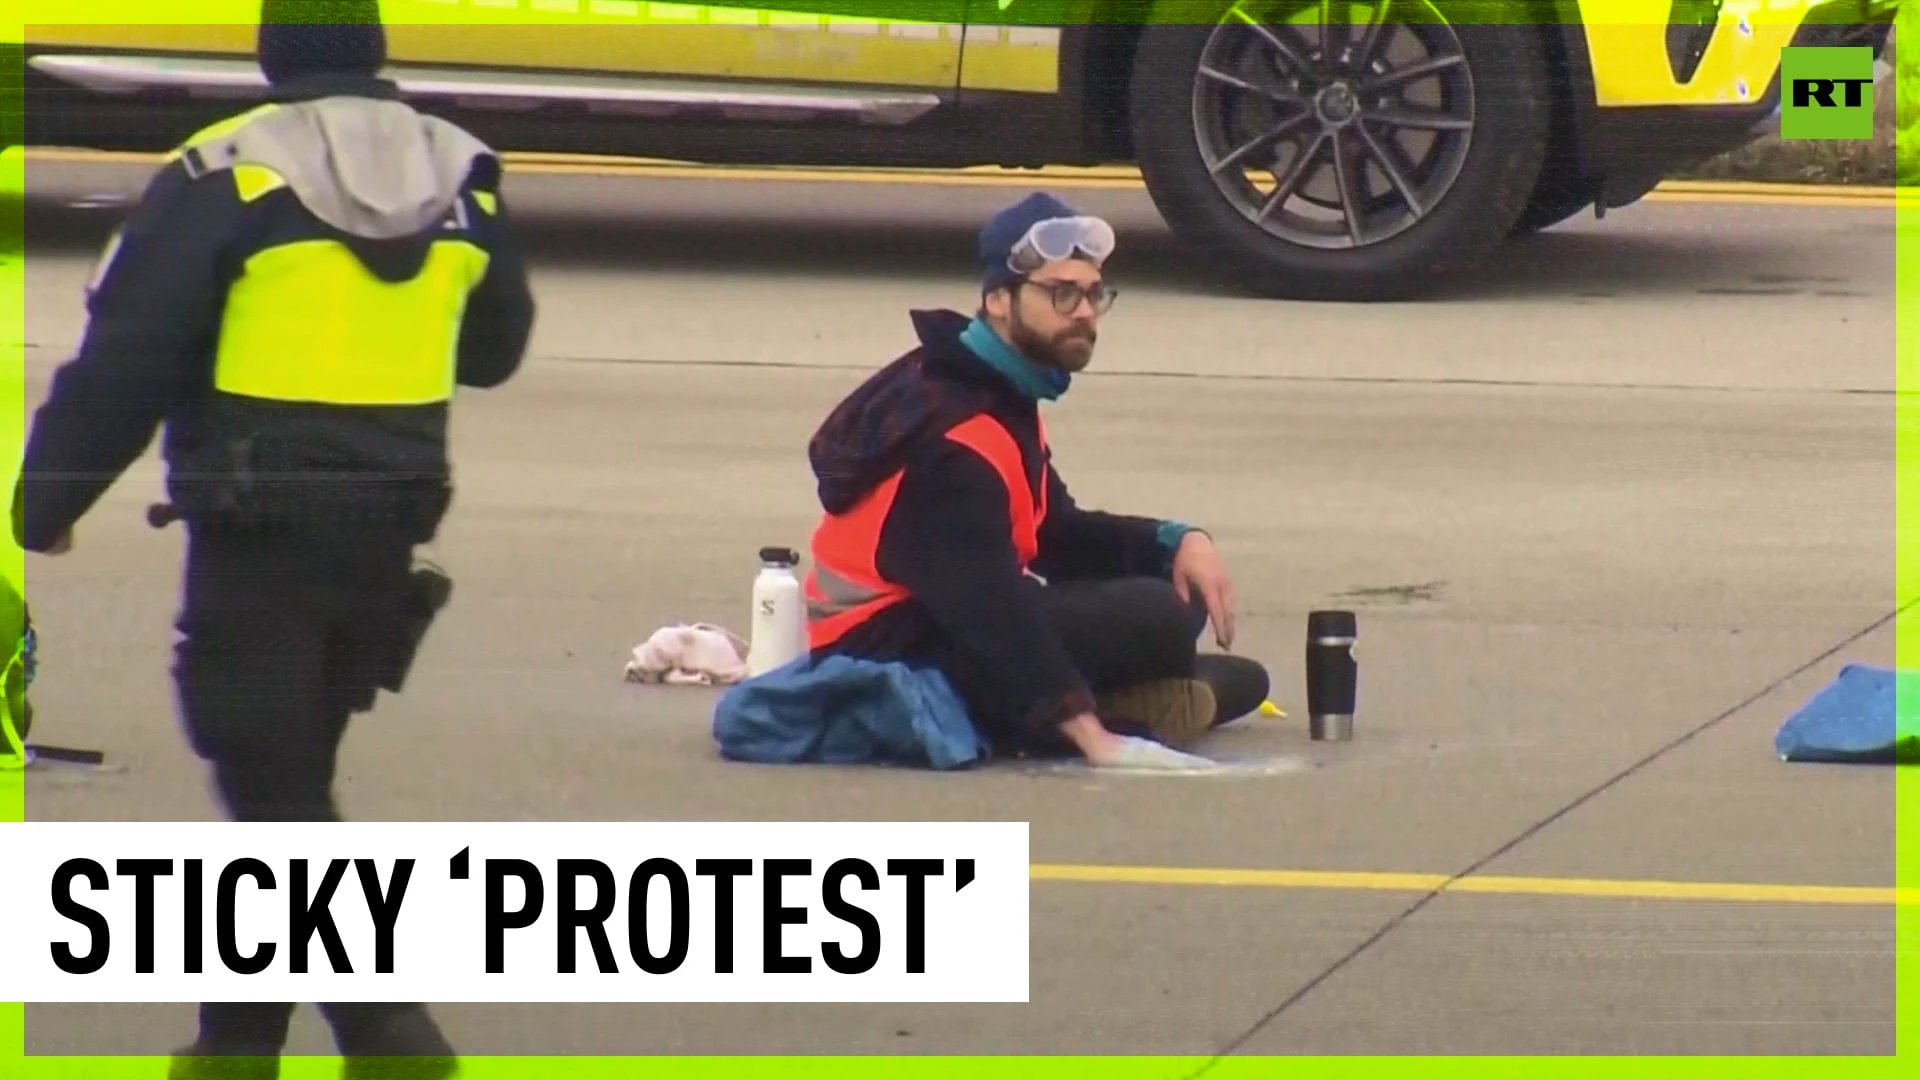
1070, 350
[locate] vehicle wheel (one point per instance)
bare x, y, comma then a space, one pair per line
1354, 156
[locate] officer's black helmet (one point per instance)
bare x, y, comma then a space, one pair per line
300, 38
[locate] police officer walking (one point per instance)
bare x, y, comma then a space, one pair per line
296, 297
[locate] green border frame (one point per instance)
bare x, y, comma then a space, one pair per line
16, 1065
1907, 518
13, 383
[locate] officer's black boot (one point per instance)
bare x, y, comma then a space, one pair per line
194, 1064
390, 1042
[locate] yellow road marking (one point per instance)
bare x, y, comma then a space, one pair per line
1735, 892
1107, 177
1764, 198
1706, 187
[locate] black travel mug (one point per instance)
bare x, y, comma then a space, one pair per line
1333, 676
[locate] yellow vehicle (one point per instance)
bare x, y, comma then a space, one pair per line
1311, 149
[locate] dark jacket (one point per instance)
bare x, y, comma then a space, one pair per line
155, 313
949, 536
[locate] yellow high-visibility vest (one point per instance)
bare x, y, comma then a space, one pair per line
305, 321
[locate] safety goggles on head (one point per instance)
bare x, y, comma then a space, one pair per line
1061, 238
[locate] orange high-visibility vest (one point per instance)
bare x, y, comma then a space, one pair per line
844, 588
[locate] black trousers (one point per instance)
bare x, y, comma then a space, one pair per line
283, 641
1121, 632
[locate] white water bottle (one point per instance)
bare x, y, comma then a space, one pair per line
779, 613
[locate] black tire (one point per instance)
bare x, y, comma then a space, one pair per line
1499, 80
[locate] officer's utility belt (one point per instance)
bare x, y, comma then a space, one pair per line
411, 508
312, 476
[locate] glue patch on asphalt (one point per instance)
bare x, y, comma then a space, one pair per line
1224, 768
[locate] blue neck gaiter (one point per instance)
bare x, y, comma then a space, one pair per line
1038, 383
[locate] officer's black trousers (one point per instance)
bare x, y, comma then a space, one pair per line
281, 638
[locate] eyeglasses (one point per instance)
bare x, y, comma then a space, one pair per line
1067, 295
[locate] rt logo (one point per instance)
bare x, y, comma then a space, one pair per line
1828, 93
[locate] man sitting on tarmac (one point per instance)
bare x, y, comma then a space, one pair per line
949, 538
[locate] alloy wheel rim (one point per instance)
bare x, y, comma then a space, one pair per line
1334, 124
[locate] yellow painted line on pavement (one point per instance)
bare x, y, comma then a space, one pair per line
1589, 888
1103, 177
1758, 196
1707, 187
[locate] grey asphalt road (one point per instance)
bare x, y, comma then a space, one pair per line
1608, 512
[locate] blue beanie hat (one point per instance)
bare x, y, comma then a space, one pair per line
1007, 228
299, 38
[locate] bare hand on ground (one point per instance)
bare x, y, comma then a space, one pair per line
1104, 749
1133, 752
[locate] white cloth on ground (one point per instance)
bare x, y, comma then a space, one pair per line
698, 655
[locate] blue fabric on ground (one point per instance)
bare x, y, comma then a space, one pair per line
844, 711
1866, 716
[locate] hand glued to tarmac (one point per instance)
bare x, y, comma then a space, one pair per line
664, 909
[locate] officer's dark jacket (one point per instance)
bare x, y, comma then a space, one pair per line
296, 295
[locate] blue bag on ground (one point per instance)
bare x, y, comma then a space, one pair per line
1866, 716
844, 711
